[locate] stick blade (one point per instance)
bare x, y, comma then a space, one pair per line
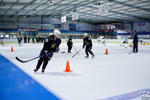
63, 52
20, 60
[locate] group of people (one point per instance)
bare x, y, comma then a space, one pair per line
26, 39
51, 45
52, 42
135, 42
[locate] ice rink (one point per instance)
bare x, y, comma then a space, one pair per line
116, 76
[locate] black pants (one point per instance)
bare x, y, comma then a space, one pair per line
135, 47
40, 61
43, 60
69, 48
88, 50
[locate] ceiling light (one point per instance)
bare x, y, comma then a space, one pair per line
50, 2
98, 3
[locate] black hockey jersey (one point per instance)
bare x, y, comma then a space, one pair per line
69, 42
87, 41
135, 39
49, 44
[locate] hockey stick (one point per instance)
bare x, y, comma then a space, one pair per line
24, 61
75, 49
76, 53
27, 60
63, 52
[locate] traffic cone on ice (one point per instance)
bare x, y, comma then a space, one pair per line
106, 52
68, 67
12, 50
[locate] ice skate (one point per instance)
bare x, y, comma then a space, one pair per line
69, 51
43, 70
35, 70
93, 56
86, 56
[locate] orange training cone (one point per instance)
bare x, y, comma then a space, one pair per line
68, 67
12, 50
106, 51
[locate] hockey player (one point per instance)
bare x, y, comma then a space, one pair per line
88, 43
103, 41
25, 38
69, 44
47, 52
141, 42
124, 42
99, 40
135, 42
19, 38
2, 40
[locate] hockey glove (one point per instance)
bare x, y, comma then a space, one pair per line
46, 53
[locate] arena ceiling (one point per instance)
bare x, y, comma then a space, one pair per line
118, 10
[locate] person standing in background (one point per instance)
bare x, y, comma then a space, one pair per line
19, 38
25, 38
135, 42
69, 44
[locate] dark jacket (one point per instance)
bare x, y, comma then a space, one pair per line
49, 44
135, 39
69, 42
87, 41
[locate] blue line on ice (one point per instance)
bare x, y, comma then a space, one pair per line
17, 85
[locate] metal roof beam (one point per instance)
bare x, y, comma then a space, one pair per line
25, 6
35, 4
129, 5
105, 17
95, 8
12, 6
54, 9
136, 17
38, 6
48, 7
75, 6
116, 12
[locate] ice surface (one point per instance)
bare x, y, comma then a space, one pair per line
104, 76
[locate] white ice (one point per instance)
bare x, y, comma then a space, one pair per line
104, 76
